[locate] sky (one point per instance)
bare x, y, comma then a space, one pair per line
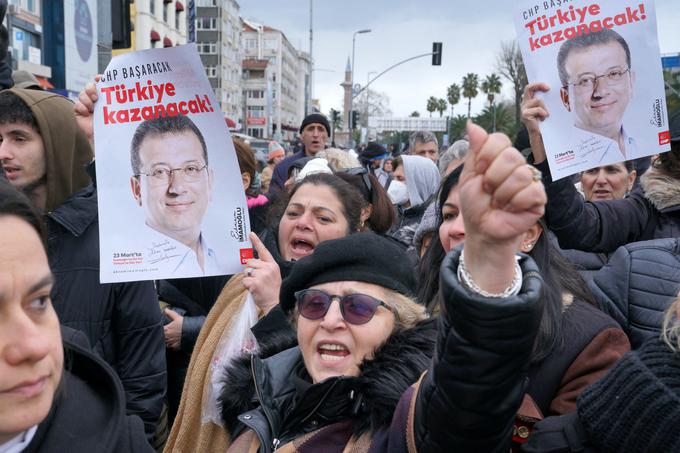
471, 35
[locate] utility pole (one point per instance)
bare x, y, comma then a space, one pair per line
308, 107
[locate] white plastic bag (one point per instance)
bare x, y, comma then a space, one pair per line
236, 339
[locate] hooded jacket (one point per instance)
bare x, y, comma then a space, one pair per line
88, 411
67, 151
650, 212
122, 321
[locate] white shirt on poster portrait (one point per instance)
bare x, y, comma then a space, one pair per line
182, 260
599, 150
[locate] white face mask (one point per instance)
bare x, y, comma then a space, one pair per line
398, 192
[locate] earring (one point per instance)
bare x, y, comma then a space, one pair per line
528, 246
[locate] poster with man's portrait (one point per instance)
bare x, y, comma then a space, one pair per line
601, 60
171, 197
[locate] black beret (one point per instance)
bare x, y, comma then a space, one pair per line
316, 118
361, 257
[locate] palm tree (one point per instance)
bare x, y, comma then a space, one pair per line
453, 96
415, 114
441, 106
470, 88
492, 86
431, 105
458, 127
498, 118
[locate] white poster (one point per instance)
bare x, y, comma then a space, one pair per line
171, 198
601, 60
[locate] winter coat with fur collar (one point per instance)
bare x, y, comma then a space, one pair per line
467, 399
649, 212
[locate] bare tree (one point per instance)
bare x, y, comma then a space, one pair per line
510, 65
371, 104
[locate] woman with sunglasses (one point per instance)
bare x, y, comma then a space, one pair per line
318, 208
363, 341
576, 343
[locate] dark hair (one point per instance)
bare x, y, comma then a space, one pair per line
588, 39
559, 277
160, 126
430, 263
349, 196
669, 163
13, 109
246, 162
13, 202
383, 213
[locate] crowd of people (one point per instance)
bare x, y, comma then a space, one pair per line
431, 300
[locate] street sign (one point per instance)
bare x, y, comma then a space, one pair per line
670, 61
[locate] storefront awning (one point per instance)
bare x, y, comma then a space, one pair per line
155, 36
167, 42
179, 6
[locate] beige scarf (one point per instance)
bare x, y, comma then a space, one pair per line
188, 433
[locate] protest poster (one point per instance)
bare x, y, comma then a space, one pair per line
171, 198
601, 60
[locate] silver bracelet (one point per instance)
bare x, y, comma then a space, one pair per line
466, 279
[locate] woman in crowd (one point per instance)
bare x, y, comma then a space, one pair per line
653, 212
347, 386
378, 213
576, 343
55, 394
634, 408
453, 157
415, 181
609, 182
276, 155
319, 208
257, 203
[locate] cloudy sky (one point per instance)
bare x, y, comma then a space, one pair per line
471, 33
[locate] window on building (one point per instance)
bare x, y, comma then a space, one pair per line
206, 2
165, 12
256, 132
152, 7
251, 43
255, 94
256, 111
206, 23
177, 21
207, 47
211, 71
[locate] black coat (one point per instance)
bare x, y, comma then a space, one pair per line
88, 412
651, 212
637, 286
468, 399
122, 321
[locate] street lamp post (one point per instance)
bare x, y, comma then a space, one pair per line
351, 100
368, 96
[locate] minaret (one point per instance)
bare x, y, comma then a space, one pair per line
347, 85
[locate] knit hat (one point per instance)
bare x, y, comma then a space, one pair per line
316, 165
318, 119
373, 151
275, 150
361, 257
636, 406
428, 224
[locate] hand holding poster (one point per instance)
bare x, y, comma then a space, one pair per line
601, 61
171, 198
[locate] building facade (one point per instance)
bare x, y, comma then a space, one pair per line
258, 79
265, 43
218, 38
24, 26
158, 23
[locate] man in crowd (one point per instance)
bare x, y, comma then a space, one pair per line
424, 144
172, 183
597, 85
44, 154
314, 132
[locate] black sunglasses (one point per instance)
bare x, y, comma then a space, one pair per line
364, 175
356, 308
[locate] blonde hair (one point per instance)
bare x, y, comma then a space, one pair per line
338, 159
671, 326
407, 312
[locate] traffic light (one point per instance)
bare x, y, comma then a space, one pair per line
335, 116
353, 119
121, 26
436, 54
